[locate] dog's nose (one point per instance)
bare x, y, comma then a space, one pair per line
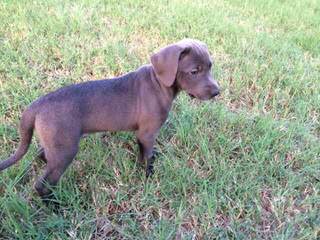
214, 88
215, 92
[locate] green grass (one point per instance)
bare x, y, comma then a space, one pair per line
244, 167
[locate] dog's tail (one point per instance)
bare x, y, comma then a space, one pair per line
26, 132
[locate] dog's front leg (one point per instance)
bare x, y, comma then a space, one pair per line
146, 141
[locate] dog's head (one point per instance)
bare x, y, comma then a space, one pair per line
188, 65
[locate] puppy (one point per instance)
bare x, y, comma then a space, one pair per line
138, 101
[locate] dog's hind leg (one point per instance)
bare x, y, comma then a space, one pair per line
60, 140
57, 162
60, 147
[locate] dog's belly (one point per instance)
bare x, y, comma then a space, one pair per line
109, 118
108, 122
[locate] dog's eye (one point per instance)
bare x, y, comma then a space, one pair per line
194, 71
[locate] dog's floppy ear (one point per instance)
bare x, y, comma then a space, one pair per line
165, 62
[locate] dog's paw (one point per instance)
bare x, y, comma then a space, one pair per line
149, 171
52, 204
155, 152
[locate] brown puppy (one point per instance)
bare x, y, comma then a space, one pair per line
138, 101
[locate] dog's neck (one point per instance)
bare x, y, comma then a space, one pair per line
171, 92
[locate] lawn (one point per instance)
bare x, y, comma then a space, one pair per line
246, 166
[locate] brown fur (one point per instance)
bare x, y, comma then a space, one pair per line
138, 101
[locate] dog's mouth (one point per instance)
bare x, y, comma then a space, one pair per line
202, 98
191, 95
